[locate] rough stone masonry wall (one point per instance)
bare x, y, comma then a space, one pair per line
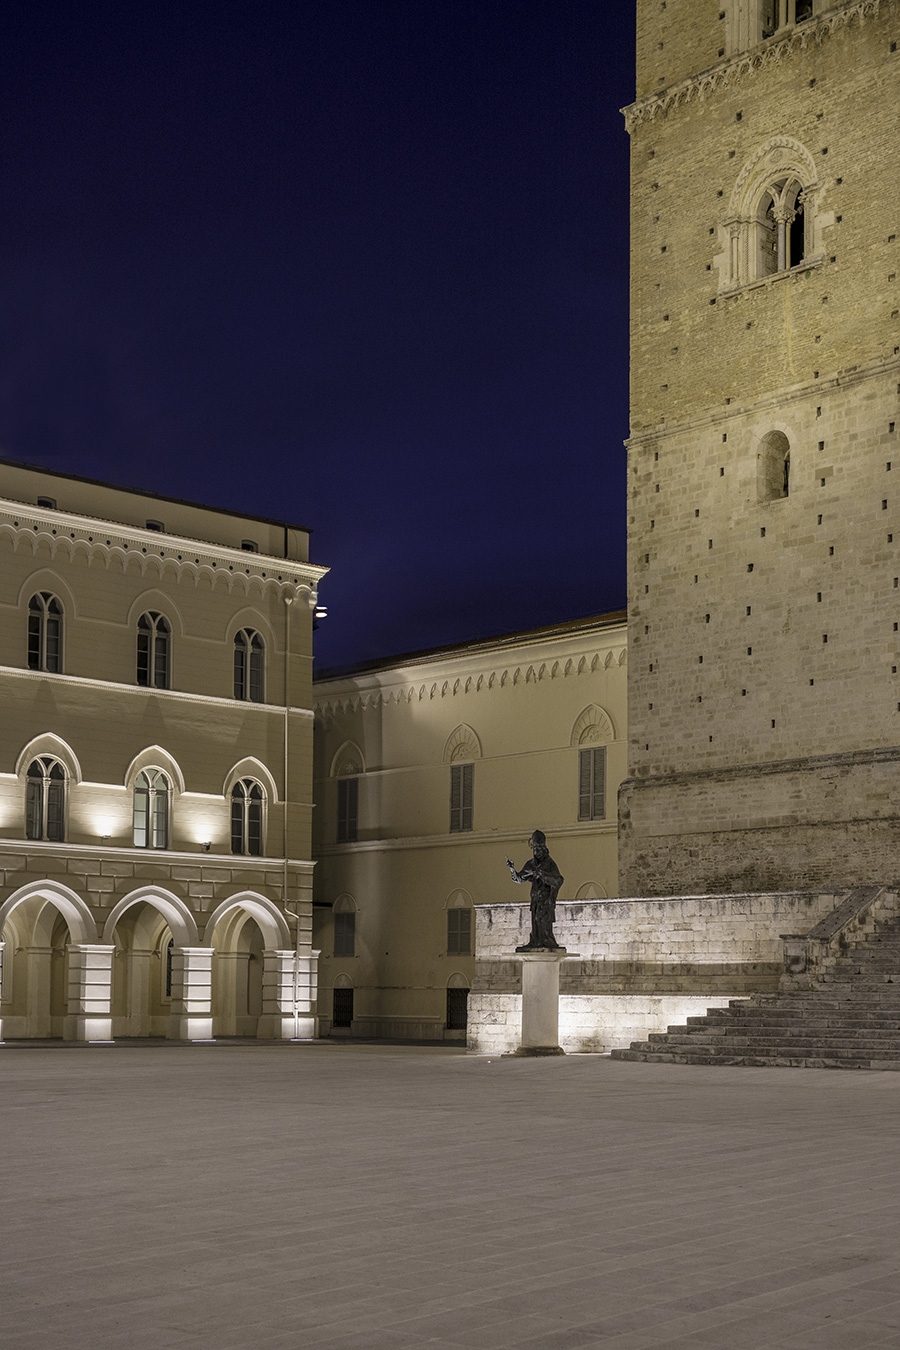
764, 635
640, 965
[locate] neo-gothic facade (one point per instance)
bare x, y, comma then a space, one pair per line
155, 766
764, 514
430, 770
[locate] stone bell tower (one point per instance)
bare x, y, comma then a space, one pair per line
764, 456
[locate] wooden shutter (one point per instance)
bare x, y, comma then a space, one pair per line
462, 786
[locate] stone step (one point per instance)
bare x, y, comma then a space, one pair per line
835, 1046
755, 1061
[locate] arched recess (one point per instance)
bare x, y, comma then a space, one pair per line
71, 906
155, 757
457, 981
774, 208
250, 767
271, 921
348, 761
160, 603
248, 617
342, 982
45, 579
591, 890
593, 726
49, 744
462, 745
459, 899
175, 912
773, 466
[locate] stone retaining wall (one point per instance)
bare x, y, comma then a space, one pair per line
637, 965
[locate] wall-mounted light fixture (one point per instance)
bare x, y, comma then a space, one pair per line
207, 845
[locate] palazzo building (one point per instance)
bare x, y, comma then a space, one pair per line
155, 765
432, 768
764, 497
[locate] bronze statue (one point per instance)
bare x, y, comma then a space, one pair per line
546, 880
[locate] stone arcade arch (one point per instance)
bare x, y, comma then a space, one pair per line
148, 976
59, 973
251, 968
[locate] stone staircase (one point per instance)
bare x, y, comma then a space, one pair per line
850, 1020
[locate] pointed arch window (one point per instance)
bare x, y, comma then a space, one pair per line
151, 809
45, 800
247, 806
45, 618
249, 655
153, 650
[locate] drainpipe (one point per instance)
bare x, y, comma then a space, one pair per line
288, 601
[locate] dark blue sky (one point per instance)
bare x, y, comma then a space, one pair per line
359, 264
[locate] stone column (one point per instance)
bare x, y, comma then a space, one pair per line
191, 1015
540, 1001
289, 995
89, 1006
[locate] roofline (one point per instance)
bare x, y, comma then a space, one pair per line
569, 627
156, 496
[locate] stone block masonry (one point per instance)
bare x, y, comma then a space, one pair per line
764, 527
642, 964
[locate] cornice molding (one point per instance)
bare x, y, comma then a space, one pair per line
459, 840
778, 399
152, 856
475, 682
241, 706
155, 553
768, 53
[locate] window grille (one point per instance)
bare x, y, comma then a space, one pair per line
45, 633
248, 666
247, 803
342, 1008
459, 932
45, 800
348, 810
170, 947
153, 647
462, 786
457, 1009
592, 783
151, 809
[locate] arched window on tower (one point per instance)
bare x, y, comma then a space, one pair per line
45, 633
247, 803
151, 809
45, 800
153, 648
773, 470
249, 653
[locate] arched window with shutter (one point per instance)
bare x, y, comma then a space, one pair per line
45, 618
247, 810
154, 637
45, 800
249, 655
151, 809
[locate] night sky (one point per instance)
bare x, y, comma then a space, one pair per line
357, 264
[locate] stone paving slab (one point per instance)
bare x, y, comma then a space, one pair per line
327, 1197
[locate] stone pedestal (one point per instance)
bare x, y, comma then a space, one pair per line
89, 1016
540, 1001
289, 990
191, 1015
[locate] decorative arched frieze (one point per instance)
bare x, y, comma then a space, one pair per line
348, 761
175, 912
593, 726
48, 743
462, 745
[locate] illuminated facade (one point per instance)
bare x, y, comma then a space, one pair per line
155, 766
430, 769
764, 524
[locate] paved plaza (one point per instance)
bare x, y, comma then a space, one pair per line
341, 1195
